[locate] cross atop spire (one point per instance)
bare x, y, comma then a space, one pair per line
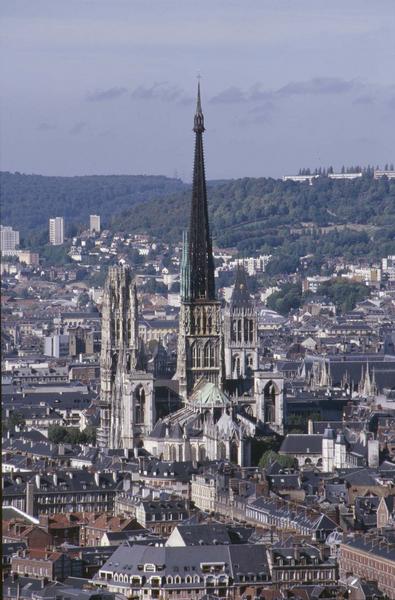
198, 123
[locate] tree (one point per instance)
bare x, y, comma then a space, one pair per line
83, 299
345, 294
57, 434
289, 297
269, 457
15, 419
71, 435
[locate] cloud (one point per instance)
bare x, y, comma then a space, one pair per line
78, 128
364, 100
162, 91
314, 86
45, 127
110, 94
319, 85
230, 95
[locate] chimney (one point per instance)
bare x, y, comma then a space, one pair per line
30, 498
126, 452
114, 477
61, 449
310, 430
44, 521
38, 480
55, 479
97, 478
296, 552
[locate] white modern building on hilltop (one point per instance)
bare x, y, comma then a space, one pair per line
9, 239
94, 223
56, 231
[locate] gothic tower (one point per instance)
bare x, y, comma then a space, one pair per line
200, 348
126, 391
241, 337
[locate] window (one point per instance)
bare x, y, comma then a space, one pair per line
196, 362
148, 568
209, 358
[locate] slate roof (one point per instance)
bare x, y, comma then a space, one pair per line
170, 470
278, 509
335, 493
239, 559
372, 545
366, 510
10, 548
79, 482
300, 443
362, 477
285, 481
173, 423
213, 533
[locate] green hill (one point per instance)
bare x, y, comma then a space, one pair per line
287, 219
330, 218
28, 201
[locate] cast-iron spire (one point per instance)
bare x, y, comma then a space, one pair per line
201, 263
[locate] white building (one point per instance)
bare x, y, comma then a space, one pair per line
94, 223
9, 239
388, 266
388, 174
310, 178
56, 231
56, 345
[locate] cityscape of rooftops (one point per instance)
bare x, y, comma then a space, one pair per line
198, 300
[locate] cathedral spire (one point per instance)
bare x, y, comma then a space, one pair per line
201, 261
198, 124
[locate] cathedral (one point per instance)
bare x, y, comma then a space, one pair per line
226, 399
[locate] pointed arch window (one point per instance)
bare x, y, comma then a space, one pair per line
233, 333
236, 366
139, 410
196, 362
246, 330
209, 355
239, 330
251, 329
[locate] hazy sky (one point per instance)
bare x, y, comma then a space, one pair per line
108, 86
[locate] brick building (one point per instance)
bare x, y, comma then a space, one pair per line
370, 556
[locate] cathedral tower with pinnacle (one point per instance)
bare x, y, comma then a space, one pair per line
200, 341
241, 331
126, 390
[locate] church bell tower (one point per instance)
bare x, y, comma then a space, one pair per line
200, 344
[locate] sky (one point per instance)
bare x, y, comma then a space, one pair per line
109, 86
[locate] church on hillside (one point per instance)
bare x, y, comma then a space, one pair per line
227, 400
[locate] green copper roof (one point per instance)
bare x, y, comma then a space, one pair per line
208, 394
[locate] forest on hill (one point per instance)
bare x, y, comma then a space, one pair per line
28, 201
350, 218
330, 218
